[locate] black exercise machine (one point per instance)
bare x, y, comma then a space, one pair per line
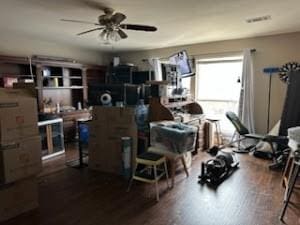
279, 153
216, 170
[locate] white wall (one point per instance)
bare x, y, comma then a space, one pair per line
270, 51
25, 46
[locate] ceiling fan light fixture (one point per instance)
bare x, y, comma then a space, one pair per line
110, 35
114, 36
103, 35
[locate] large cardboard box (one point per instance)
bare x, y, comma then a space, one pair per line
106, 157
109, 125
20, 160
113, 115
18, 198
18, 116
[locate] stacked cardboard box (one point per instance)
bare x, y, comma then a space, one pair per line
17, 198
109, 125
20, 153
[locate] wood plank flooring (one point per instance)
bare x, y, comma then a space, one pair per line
251, 196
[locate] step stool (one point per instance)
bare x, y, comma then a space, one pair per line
151, 173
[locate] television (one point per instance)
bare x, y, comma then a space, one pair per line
181, 60
141, 77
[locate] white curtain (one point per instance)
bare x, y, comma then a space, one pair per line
246, 107
156, 65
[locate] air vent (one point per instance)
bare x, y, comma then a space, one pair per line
258, 19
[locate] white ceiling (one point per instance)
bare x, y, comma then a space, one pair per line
178, 22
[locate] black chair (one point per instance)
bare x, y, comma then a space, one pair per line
244, 134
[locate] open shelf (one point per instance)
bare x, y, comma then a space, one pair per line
16, 75
66, 77
70, 87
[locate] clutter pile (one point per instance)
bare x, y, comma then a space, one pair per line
20, 153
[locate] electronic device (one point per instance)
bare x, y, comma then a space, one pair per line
95, 92
169, 73
181, 60
129, 94
141, 77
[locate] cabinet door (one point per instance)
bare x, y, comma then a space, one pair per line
43, 134
57, 137
52, 139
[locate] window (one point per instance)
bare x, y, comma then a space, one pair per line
218, 88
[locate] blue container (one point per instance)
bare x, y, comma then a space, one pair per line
84, 133
141, 116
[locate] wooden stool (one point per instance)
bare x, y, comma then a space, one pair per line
173, 161
291, 183
287, 173
151, 173
216, 122
172, 158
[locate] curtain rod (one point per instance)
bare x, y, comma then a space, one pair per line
229, 52
215, 53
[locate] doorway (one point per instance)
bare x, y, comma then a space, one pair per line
218, 86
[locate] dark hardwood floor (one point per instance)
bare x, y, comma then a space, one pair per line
251, 196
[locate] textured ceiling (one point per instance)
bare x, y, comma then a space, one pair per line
179, 22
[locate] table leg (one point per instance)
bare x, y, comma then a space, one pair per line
184, 166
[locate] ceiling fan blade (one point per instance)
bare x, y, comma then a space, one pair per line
88, 31
79, 21
117, 18
138, 27
98, 5
122, 34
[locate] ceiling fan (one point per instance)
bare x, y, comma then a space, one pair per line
111, 26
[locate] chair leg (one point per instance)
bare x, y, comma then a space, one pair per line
289, 190
131, 180
167, 174
287, 171
233, 136
239, 149
130, 184
156, 183
184, 166
173, 169
290, 181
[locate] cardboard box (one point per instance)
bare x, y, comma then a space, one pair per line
109, 125
18, 116
114, 115
20, 160
18, 198
106, 157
